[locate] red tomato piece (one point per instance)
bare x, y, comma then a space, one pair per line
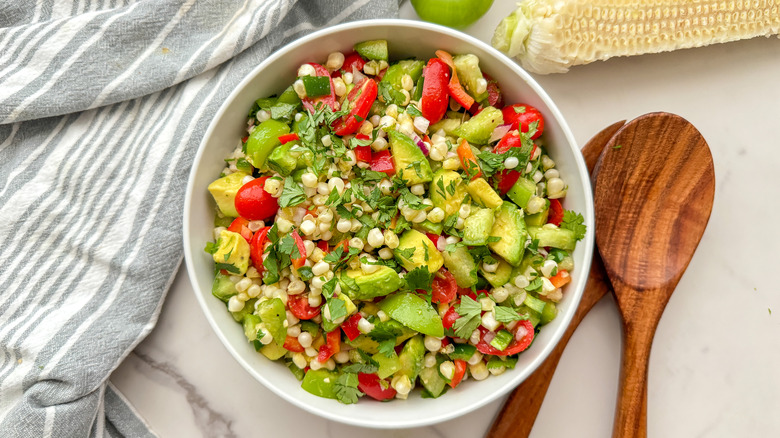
323, 245
257, 248
363, 153
455, 89
522, 335
350, 326
506, 179
254, 203
449, 317
298, 261
331, 347
510, 140
351, 61
382, 161
299, 306
311, 103
293, 345
241, 226
435, 99
460, 371
495, 97
433, 237
444, 287
359, 101
521, 116
374, 387
286, 138
556, 212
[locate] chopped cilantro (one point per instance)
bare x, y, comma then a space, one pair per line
292, 194
211, 247
337, 308
413, 111
419, 278
575, 222
346, 388
507, 314
535, 285
470, 313
228, 267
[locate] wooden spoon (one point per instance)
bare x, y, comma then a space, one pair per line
517, 416
653, 195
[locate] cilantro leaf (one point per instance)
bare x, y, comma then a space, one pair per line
211, 247
470, 313
575, 222
228, 267
419, 278
387, 347
292, 194
346, 388
535, 285
337, 309
507, 314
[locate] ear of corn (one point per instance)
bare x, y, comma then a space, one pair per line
549, 36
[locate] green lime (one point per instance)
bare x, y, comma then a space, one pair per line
452, 13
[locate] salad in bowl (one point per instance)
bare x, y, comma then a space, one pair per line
386, 225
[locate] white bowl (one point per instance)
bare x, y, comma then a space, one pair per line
406, 38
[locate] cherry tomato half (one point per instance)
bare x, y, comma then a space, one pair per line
521, 116
299, 306
254, 203
435, 97
460, 371
444, 287
359, 100
257, 248
522, 335
375, 387
292, 344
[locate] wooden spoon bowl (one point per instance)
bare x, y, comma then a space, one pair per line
653, 198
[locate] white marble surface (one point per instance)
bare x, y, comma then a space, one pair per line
715, 366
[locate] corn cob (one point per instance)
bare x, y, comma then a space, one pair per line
549, 36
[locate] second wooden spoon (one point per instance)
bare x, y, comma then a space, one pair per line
517, 416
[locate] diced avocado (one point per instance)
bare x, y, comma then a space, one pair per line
462, 266
263, 139
392, 80
380, 283
410, 163
413, 312
250, 326
273, 351
479, 128
220, 220
373, 49
521, 191
411, 358
432, 381
321, 383
469, 74
416, 249
548, 313
387, 365
427, 226
538, 219
534, 303
370, 346
510, 227
281, 160
448, 125
222, 287
502, 275
462, 351
478, 226
555, 237
273, 315
224, 192
447, 191
248, 308
483, 194
232, 253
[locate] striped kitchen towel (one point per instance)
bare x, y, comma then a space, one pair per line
102, 106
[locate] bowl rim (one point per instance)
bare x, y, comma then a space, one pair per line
588, 214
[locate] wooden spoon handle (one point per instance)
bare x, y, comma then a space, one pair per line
631, 411
517, 416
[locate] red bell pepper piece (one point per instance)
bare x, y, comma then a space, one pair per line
455, 89
292, 344
506, 179
241, 226
257, 248
460, 371
382, 161
323, 245
556, 213
434, 100
359, 100
363, 153
468, 160
286, 138
350, 326
311, 103
299, 261
331, 347
353, 60
374, 387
